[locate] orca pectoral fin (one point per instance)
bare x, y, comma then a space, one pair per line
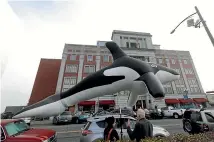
115, 50
153, 84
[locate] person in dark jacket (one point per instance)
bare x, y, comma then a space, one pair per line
110, 134
143, 127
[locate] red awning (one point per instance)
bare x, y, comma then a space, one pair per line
200, 100
87, 103
106, 102
186, 100
171, 101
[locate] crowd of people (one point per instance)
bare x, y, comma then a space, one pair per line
143, 128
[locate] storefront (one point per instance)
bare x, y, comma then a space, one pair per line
106, 104
187, 103
200, 101
138, 105
86, 106
172, 102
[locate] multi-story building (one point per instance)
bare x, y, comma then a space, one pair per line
78, 61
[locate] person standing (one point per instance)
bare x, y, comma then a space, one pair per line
143, 127
110, 134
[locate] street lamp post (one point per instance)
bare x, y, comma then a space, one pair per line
186, 94
201, 20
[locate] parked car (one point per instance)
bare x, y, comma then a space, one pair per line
155, 114
94, 128
27, 120
124, 111
172, 112
65, 117
198, 120
16, 130
100, 113
80, 117
6, 115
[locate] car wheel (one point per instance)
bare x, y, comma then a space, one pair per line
175, 115
188, 127
77, 121
98, 140
159, 136
55, 121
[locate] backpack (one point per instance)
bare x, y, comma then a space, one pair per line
109, 134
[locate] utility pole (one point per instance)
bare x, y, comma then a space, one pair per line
201, 20
205, 25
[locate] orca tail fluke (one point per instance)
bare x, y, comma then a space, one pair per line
115, 50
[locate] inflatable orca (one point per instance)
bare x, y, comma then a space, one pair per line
125, 73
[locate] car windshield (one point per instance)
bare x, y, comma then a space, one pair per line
66, 113
15, 128
210, 116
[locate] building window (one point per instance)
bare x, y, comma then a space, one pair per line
127, 44
194, 82
89, 58
177, 70
133, 45
73, 57
197, 90
180, 90
185, 61
125, 37
133, 38
121, 37
190, 71
173, 61
70, 80
168, 90
192, 90
106, 58
64, 89
89, 68
160, 61
71, 68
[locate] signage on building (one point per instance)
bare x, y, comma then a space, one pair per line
185, 96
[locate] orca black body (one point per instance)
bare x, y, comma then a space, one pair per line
125, 73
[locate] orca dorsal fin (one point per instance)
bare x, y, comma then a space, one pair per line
115, 50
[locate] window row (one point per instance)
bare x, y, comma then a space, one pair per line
143, 58
179, 81
168, 90
71, 68
188, 71
180, 90
192, 82
106, 58
87, 68
70, 80
194, 90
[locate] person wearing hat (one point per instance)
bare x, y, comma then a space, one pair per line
143, 127
110, 134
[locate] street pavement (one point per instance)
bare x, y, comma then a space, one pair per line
72, 132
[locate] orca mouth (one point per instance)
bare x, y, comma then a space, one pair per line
48, 100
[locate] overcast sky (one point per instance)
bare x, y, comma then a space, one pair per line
31, 30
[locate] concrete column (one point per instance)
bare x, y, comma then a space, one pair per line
184, 76
97, 62
61, 72
81, 60
196, 75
